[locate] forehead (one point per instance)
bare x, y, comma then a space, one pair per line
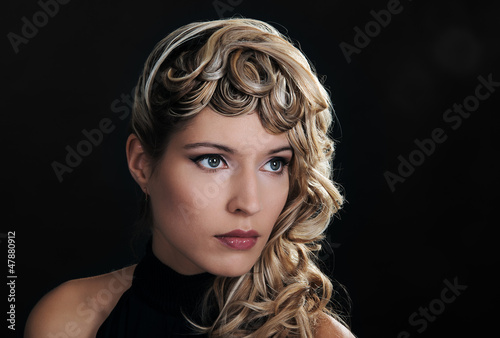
243, 133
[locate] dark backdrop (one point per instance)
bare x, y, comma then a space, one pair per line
413, 245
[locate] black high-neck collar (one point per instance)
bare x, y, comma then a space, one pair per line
165, 289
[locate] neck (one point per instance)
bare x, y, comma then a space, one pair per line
167, 290
168, 255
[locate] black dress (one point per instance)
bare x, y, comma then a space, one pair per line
152, 306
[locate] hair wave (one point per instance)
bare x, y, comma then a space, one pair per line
235, 67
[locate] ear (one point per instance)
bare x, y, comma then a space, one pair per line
138, 162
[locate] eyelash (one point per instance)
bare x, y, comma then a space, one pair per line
198, 159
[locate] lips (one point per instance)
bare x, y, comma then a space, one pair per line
239, 239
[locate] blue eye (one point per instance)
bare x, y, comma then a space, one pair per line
276, 165
213, 161
210, 161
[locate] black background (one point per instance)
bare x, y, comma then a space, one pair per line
393, 249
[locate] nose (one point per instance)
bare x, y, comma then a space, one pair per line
244, 193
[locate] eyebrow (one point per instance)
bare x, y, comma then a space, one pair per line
230, 150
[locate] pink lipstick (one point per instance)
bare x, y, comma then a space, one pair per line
239, 239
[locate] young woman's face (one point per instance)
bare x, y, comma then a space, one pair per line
216, 194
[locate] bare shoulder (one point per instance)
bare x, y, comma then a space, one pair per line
329, 327
77, 308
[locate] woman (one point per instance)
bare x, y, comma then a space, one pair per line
229, 144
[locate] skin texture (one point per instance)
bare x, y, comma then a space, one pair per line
77, 308
192, 202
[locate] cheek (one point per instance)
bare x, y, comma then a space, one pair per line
170, 195
275, 199
182, 197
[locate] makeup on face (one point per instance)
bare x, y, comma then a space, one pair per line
218, 191
239, 239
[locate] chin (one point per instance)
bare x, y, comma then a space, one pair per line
235, 269
233, 273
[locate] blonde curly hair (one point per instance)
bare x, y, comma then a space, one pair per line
235, 67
